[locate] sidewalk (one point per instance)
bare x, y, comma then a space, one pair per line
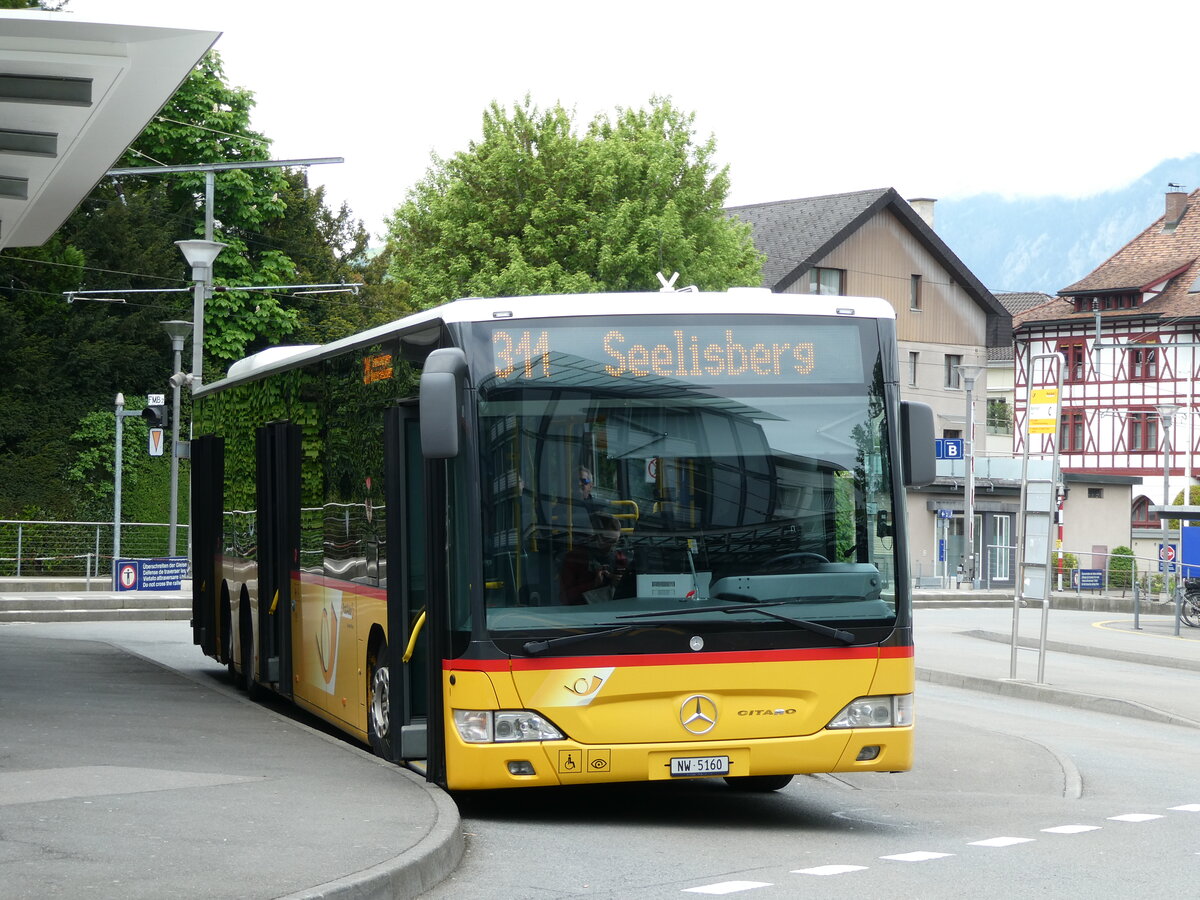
131, 768
1094, 660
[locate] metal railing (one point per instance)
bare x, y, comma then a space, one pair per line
31, 548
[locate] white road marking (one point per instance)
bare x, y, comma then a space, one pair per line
828, 870
917, 856
1187, 807
1071, 829
1134, 817
727, 887
1000, 842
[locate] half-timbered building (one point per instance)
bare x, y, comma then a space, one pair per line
1129, 335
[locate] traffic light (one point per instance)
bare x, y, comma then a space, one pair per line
155, 414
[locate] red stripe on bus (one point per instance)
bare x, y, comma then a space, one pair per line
678, 659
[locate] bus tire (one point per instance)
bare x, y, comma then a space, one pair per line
380, 732
246, 642
225, 612
758, 783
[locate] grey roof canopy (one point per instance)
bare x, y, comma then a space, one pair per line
73, 96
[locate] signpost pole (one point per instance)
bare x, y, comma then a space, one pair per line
1166, 415
120, 408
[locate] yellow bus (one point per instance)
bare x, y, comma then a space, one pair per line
574, 539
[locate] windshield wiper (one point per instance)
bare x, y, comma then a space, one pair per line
543, 646
747, 603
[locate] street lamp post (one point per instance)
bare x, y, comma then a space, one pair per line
1166, 415
200, 256
177, 331
969, 374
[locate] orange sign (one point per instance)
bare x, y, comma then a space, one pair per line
377, 368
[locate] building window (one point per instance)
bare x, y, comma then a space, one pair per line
913, 361
1095, 493
1143, 364
826, 281
1141, 516
1075, 356
999, 416
1143, 431
1070, 432
953, 434
953, 361
914, 292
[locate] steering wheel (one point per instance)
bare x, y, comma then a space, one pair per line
800, 560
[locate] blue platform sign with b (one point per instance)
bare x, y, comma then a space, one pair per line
948, 448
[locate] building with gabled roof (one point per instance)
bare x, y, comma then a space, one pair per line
1129, 333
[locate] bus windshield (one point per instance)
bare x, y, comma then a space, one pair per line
652, 470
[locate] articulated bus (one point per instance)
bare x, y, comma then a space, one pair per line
574, 539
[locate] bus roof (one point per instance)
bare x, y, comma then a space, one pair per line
424, 328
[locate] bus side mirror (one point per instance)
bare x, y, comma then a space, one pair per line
917, 443
441, 396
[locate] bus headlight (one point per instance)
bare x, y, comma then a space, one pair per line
484, 726
875, 712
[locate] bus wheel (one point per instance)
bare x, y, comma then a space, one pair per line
246, 640
758, 782
379, 709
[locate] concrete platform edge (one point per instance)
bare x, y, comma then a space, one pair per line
1043, 693
433, 859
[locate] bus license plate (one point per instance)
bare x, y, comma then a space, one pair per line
699, 765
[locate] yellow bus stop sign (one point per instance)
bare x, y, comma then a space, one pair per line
1043, 411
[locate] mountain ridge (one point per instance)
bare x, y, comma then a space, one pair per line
1047, 243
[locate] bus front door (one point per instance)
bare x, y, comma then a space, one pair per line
406, 653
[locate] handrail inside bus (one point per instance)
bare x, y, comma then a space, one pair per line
631, 516
412, 640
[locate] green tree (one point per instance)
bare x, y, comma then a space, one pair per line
330, 247
64, 362
534, 208
208, 121
145, 479
1193, 499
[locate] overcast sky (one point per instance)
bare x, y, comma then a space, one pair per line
935, 99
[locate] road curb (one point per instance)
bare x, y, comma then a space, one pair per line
411, 874
1043, 693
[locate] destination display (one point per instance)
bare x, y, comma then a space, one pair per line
794, 350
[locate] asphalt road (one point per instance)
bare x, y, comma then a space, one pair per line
1008, 797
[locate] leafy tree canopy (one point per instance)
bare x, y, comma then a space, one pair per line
534, 208
65, 362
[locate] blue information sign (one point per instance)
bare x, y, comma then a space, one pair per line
948, 448
164, 574
1089, 579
